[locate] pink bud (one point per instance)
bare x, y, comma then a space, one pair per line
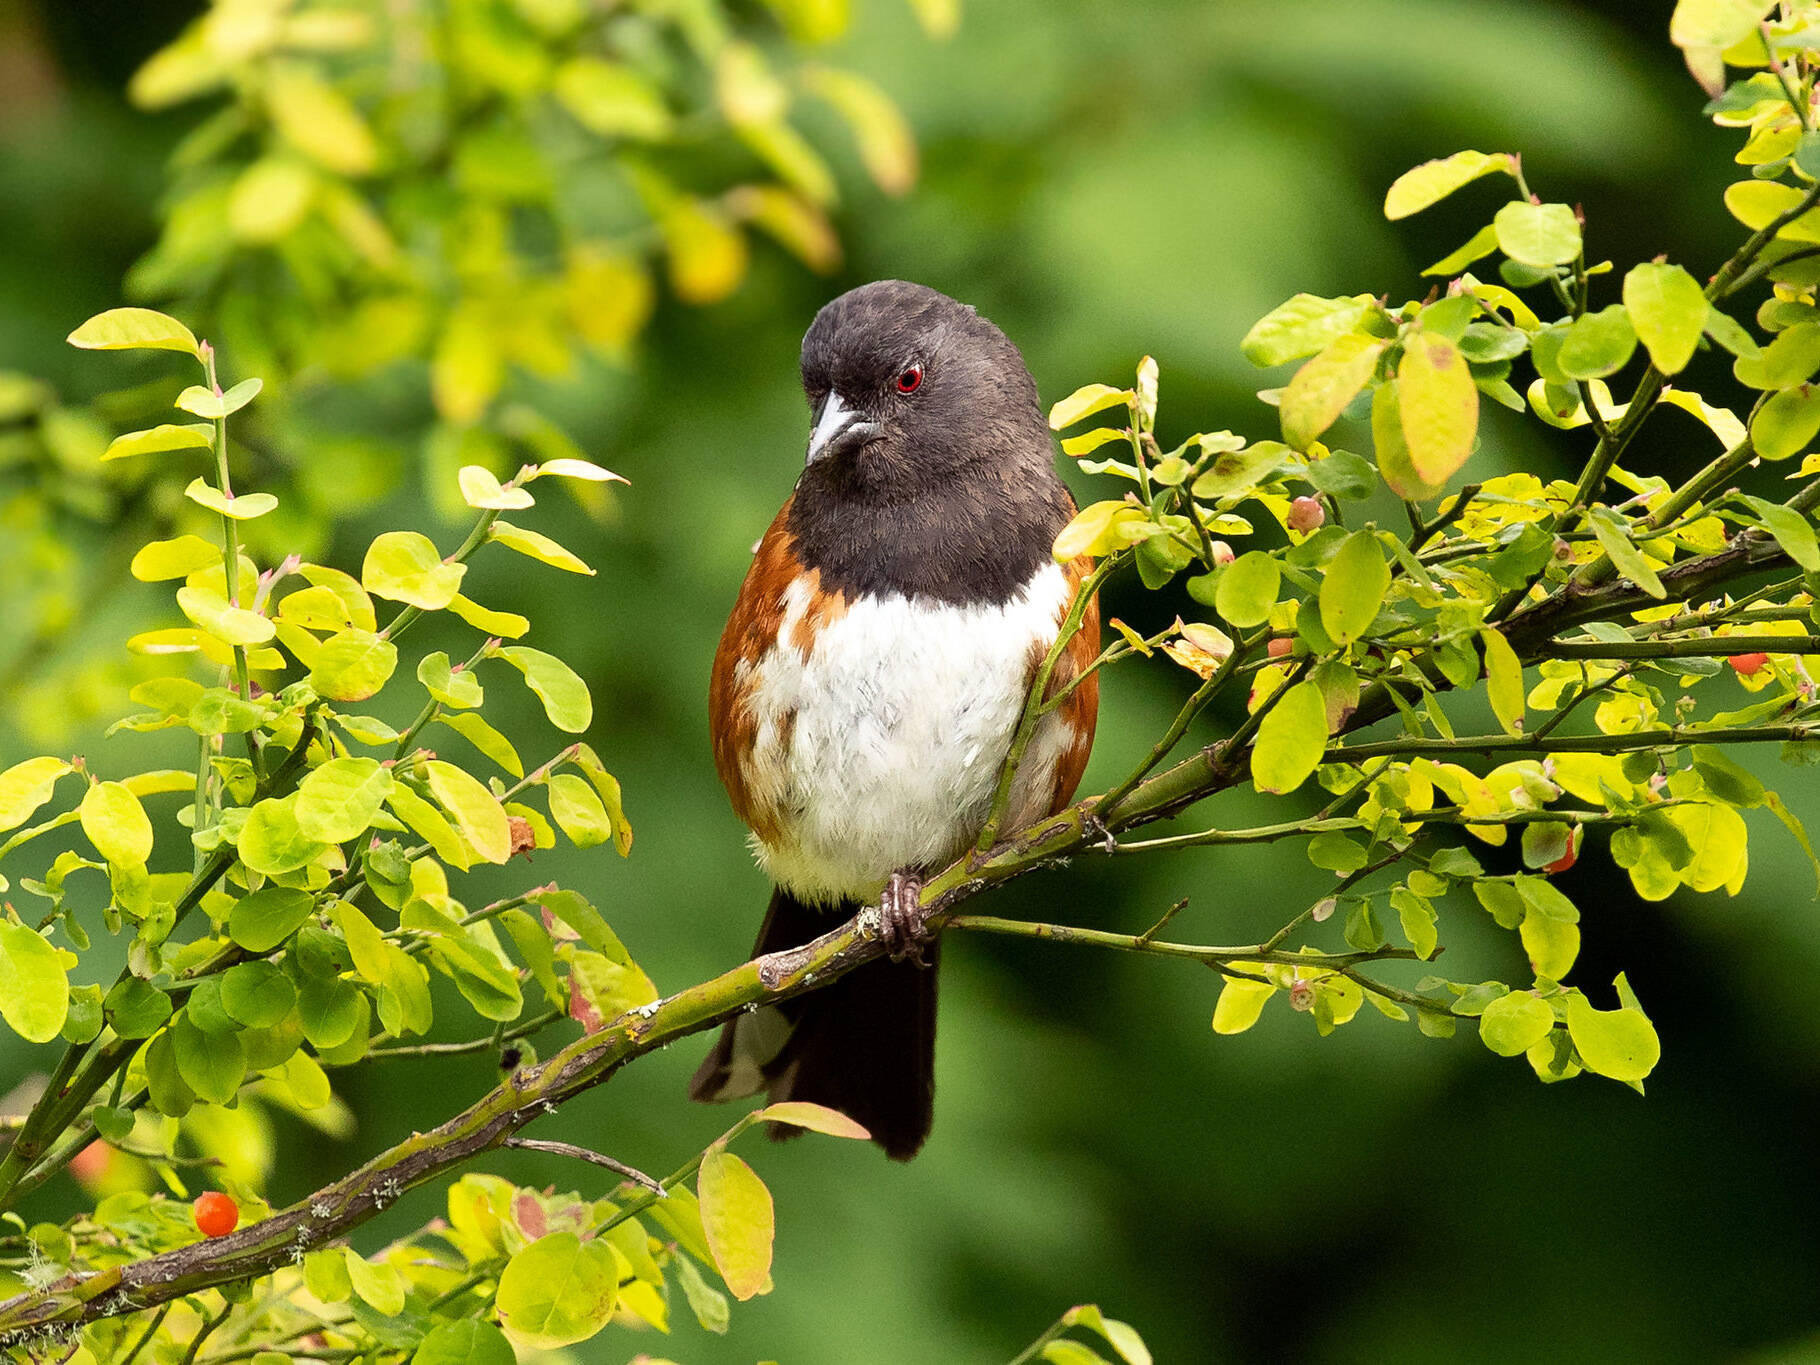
1301, 996
1222, 553
1305, 514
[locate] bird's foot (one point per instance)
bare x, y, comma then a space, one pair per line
902, 924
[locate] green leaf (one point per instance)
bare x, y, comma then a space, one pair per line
739, 1220
485, 738
1290, 741
353, 665
577, 810
1668, 309
34, 988
1433, 181
82, 1024
403, 566
563, 694
376, 1283
257, 994
1084, 402
1789, 360
468, 1342
1300, 327
136, 1009
325, 1274
1353, 587
1066, 1352
1793, 532
1786, 422
1715, 23
538, 547
1097, 530
1597, 344
1121, 1336
331, 1011
1620, 1043
611, 99
339, 800
475, 810
457, 687
211, 1064
1321, 389
1240, 1004
1503, 680
271, 843
259, 922
116, 824
246, 507
1538, 234
215, 406
1438, 407
155, 440
817, 1118
209, 608
1551, 944
26, 786
1613, 533
480, 489
178, 558
705, 1301
1512, 1024
1481, 243
557, 1291
135, 329
1727, 332
1247, 589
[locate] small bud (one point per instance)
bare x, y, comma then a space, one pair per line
1562, 549
1301, 996
1658, 781
1323, 910
1222, 553
1281, 647
1305, 514
522, 836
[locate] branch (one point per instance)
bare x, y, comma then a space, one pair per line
569, 1149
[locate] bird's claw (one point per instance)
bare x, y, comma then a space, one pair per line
902, 925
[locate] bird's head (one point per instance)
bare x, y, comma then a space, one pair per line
906, 385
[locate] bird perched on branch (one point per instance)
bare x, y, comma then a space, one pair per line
873, 674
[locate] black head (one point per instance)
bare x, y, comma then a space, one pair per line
906, 386
930, 465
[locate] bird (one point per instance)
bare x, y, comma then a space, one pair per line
872, 675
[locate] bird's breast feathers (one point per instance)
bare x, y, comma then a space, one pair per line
859, 736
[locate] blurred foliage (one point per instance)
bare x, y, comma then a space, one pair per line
1100, 183
468, 200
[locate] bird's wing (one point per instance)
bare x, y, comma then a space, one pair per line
751, 630
1080, 709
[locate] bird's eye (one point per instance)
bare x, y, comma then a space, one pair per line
910, 380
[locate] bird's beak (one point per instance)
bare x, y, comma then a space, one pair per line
838, 429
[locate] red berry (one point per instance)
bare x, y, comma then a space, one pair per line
1747, 664
216, 1214
91, 1163
1280, 647
1305, 514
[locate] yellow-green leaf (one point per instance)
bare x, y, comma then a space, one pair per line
403, 566
557, 1291
1291, 740
1512, 1024
475, 810
34, 988
26, 786
134, 329
1433, 181
815, 1117
154, 440
116, 824
1353, 587
1240, 1004
738, 1217
1321, 389
1668, 309
1438, 405
538, 547
1620, 1043
1538, 234
1084, 402
178, 558
1503, 680
243, 508
563, 694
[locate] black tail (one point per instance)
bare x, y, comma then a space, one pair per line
864, 1045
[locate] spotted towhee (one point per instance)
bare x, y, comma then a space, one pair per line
872, 675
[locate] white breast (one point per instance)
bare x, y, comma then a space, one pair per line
880, 748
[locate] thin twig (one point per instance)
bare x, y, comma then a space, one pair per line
570, 1149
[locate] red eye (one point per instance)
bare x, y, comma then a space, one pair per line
910, 380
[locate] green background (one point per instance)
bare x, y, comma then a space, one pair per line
1104, 180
